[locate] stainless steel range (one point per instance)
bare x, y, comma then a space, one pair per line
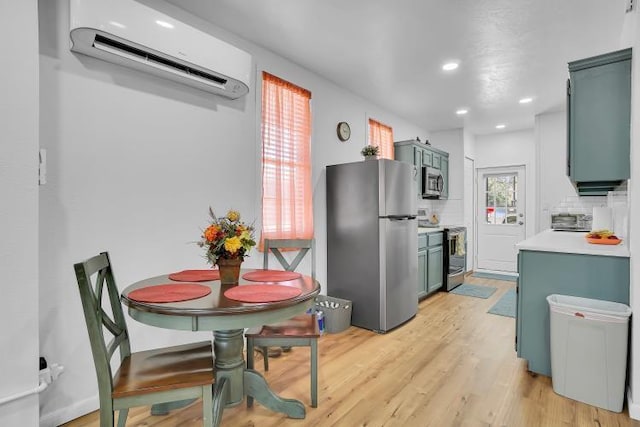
455, 256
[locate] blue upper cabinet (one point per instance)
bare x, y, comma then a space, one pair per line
419, 155
598, 122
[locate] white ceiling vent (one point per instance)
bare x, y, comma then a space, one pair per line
136, 36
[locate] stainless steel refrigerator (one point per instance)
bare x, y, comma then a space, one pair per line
372, 241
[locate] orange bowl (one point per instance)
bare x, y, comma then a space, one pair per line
604, 241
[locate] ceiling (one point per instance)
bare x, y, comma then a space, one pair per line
391, 52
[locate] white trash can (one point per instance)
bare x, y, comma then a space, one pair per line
589, 349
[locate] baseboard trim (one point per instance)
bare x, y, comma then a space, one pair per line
487, 274
634, 408
71, 412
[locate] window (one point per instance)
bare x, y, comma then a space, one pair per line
381, 135
287, 211
501, 199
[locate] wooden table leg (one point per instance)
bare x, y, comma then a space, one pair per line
234, 381
256, 386
219, 399
227, 348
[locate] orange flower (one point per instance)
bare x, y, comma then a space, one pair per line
211, 233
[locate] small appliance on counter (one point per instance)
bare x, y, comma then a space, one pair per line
571, 222
428, 221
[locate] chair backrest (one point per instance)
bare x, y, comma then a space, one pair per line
91, 295
303, 246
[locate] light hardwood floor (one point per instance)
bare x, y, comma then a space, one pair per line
452, 365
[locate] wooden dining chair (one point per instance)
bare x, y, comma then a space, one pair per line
143, 378
299, 331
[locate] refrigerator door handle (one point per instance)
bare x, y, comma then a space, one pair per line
399, 217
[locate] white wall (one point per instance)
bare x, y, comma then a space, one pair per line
135, 161
19, 211
631, 37
551, 149
470, 196
511, 149
469, 144
450, 210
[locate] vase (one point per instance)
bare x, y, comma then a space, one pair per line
229, 270
373, 157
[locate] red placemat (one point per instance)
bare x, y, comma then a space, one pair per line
271, 275
169, 292
261, 293
195, 275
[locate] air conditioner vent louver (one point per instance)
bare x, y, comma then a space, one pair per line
127, 32
101, 41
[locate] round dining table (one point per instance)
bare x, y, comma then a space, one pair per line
227, 319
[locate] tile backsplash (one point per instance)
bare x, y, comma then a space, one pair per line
449, 211
576, 204
617, 201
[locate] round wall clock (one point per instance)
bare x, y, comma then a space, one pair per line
344, 131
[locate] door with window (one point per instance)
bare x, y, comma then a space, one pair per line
500, 217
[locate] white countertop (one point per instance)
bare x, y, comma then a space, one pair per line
570, 242
422, 230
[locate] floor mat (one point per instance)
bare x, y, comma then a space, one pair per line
477, 291
506, 305
496, 276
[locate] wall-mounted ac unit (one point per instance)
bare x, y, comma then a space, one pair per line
136, 36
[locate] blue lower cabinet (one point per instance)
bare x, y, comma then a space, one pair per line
434, 268
430, 261
545, 273
422, 273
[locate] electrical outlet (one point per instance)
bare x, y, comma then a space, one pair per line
51, 373
45, 376
56, 370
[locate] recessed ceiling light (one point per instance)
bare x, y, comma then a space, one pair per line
462, 112
501, 126
525, 100
164, 24
449, 66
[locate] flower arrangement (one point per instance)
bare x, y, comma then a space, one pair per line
369, 150
226, 237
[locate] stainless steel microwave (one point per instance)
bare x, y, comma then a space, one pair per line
432, 183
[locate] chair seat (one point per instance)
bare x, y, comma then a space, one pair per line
165, 369
303, 326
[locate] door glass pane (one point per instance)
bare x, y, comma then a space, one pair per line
501, 202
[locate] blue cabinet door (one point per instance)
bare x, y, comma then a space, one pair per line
427, 158
417, 162
407, 153
422, 273
435, 160
434, 267
444, 170
599, 117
